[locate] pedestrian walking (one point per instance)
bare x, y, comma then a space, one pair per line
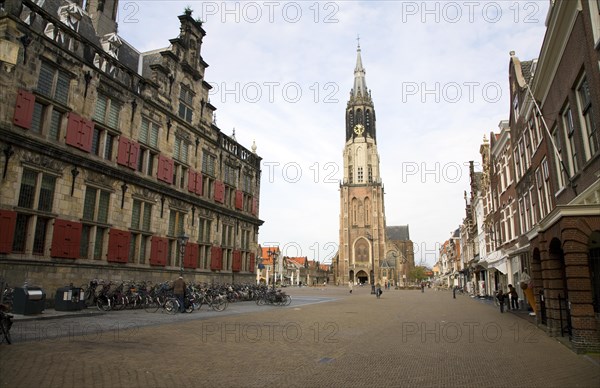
500, 295
422, 286
179, 291
378, 291
350, 286
514, 297
454, 292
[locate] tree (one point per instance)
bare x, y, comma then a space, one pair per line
418, 273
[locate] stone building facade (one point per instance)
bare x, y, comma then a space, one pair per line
109, 155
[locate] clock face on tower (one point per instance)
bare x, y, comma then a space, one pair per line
359, 129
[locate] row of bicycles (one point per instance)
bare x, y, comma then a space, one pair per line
108, 296
154, 297
273, 297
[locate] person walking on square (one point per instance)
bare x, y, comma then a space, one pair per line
179, 291
514, 297
422, 286
350, 286
378, 291
500, 295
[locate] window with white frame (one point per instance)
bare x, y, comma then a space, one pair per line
558, 155
589, 127
547, 191
569, 130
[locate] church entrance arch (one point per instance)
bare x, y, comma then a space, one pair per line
362, 277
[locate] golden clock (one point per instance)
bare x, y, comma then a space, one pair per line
359, 129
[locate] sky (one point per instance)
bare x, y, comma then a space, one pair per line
282, 72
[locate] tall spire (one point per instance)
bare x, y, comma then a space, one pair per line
360, 84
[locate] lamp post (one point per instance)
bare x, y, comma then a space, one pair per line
182, 241
370, 238
274, 273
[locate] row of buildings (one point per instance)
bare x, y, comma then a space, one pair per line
113, 166
533, 212
274, 268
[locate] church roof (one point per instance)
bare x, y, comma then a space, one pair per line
398, 233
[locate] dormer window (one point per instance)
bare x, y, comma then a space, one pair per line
111, 44
71, 15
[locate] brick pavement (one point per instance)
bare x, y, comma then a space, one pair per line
406, 338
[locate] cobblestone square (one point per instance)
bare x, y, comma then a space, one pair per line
325, 338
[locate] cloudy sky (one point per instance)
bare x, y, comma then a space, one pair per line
282, 73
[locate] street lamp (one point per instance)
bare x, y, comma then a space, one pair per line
274, 272
370, 238
182, 241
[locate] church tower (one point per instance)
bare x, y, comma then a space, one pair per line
362, 212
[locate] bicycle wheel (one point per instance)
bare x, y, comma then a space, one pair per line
219, 304
120, 302
288, 300
151, 305
171, 306
103, 304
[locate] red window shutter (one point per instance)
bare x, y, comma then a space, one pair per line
254, 206
118, 246
219, 191
66, 239
72, 239
8, 220
252, 262
134, 152
216, 258
24, 109
73, 125
165, 169
87, 131
199, 183
169, 168
239, 200
190, 259
123, 153
192, 181
236, 265
158, 252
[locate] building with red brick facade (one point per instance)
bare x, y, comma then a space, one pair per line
565, 242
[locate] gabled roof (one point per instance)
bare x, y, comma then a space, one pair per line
398, 233
265, 254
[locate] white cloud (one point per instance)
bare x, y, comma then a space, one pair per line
399, 50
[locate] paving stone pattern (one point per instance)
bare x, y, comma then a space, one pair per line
406, 338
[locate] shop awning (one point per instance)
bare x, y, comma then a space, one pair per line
500, 266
